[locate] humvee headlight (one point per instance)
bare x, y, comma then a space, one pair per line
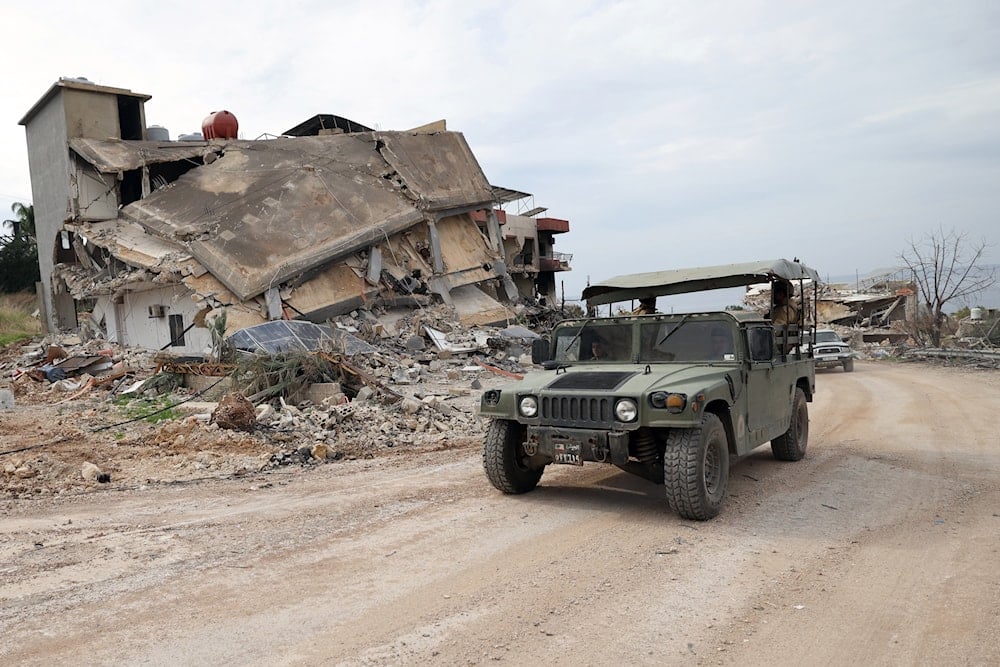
626, 410
674, 403
528, 406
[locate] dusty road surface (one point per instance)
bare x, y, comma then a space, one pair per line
881, 547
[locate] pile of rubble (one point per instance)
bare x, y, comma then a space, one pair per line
84, 413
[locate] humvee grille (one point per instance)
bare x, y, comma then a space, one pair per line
577, 411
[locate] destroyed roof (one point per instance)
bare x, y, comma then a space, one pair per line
267, 211
325, 121
679, 281
132, 245
111, 156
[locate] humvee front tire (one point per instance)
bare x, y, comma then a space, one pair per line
696, 469
848, 365
791, 445
504, 459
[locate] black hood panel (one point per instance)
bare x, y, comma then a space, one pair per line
592, 380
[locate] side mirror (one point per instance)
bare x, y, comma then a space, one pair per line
539, 350
761, 340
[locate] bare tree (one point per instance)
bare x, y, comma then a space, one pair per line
946, 266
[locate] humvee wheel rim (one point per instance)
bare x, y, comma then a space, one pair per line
712, 466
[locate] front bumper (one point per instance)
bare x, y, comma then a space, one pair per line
828, 360
576, 445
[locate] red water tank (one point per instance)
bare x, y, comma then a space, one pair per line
220, 125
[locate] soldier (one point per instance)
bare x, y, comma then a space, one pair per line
783, 311
598, 348
647, 306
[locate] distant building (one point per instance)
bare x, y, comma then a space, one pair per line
529, 250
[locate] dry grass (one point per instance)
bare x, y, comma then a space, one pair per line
16, 321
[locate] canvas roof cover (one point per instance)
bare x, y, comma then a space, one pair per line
679, 281
267, 211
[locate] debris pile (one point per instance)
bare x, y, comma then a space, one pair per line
119, 417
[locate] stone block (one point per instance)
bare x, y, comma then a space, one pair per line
89, 471
319, 391
203, 382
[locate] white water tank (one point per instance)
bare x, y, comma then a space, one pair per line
157, 133
976, 313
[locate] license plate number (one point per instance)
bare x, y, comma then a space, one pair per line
566, 452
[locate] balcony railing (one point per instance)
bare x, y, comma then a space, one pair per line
559, 261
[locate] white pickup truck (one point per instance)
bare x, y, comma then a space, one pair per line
831, 350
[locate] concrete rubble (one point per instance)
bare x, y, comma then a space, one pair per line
395, 395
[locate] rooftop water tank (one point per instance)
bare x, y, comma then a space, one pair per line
976, 313
220, 125
157, 133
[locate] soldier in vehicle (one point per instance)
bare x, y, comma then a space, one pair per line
598, 349
783, 312
647, 306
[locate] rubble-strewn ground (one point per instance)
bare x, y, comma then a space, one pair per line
67, 435
881, 547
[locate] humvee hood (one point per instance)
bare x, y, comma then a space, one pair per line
590, 380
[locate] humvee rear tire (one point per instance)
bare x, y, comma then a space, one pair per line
848, 365
791, 445
696, 469
504, 459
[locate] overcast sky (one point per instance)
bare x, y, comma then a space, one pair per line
670, 134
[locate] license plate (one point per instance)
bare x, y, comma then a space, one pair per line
566, 452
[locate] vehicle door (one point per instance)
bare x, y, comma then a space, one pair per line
769, 384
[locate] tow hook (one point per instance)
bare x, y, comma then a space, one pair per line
599, 452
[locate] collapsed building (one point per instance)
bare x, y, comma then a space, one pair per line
878, 301
875, 301
158, 238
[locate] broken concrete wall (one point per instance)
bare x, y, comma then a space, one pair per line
151, 318
97, 193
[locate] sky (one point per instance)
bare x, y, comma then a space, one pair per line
670, 134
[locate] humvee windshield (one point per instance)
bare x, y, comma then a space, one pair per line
662, 340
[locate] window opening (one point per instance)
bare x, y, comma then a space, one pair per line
176, 330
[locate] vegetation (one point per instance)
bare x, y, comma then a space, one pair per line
23, 223
16, 320
149, 409
19, 251
266, 377
946, 266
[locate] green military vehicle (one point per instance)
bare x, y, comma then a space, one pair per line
672, 398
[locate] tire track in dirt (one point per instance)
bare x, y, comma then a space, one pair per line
887, 544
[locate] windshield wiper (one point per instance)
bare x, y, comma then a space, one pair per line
670, 333
578, 333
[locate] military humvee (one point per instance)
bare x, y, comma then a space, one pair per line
670, 397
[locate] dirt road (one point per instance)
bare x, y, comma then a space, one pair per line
881, 547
